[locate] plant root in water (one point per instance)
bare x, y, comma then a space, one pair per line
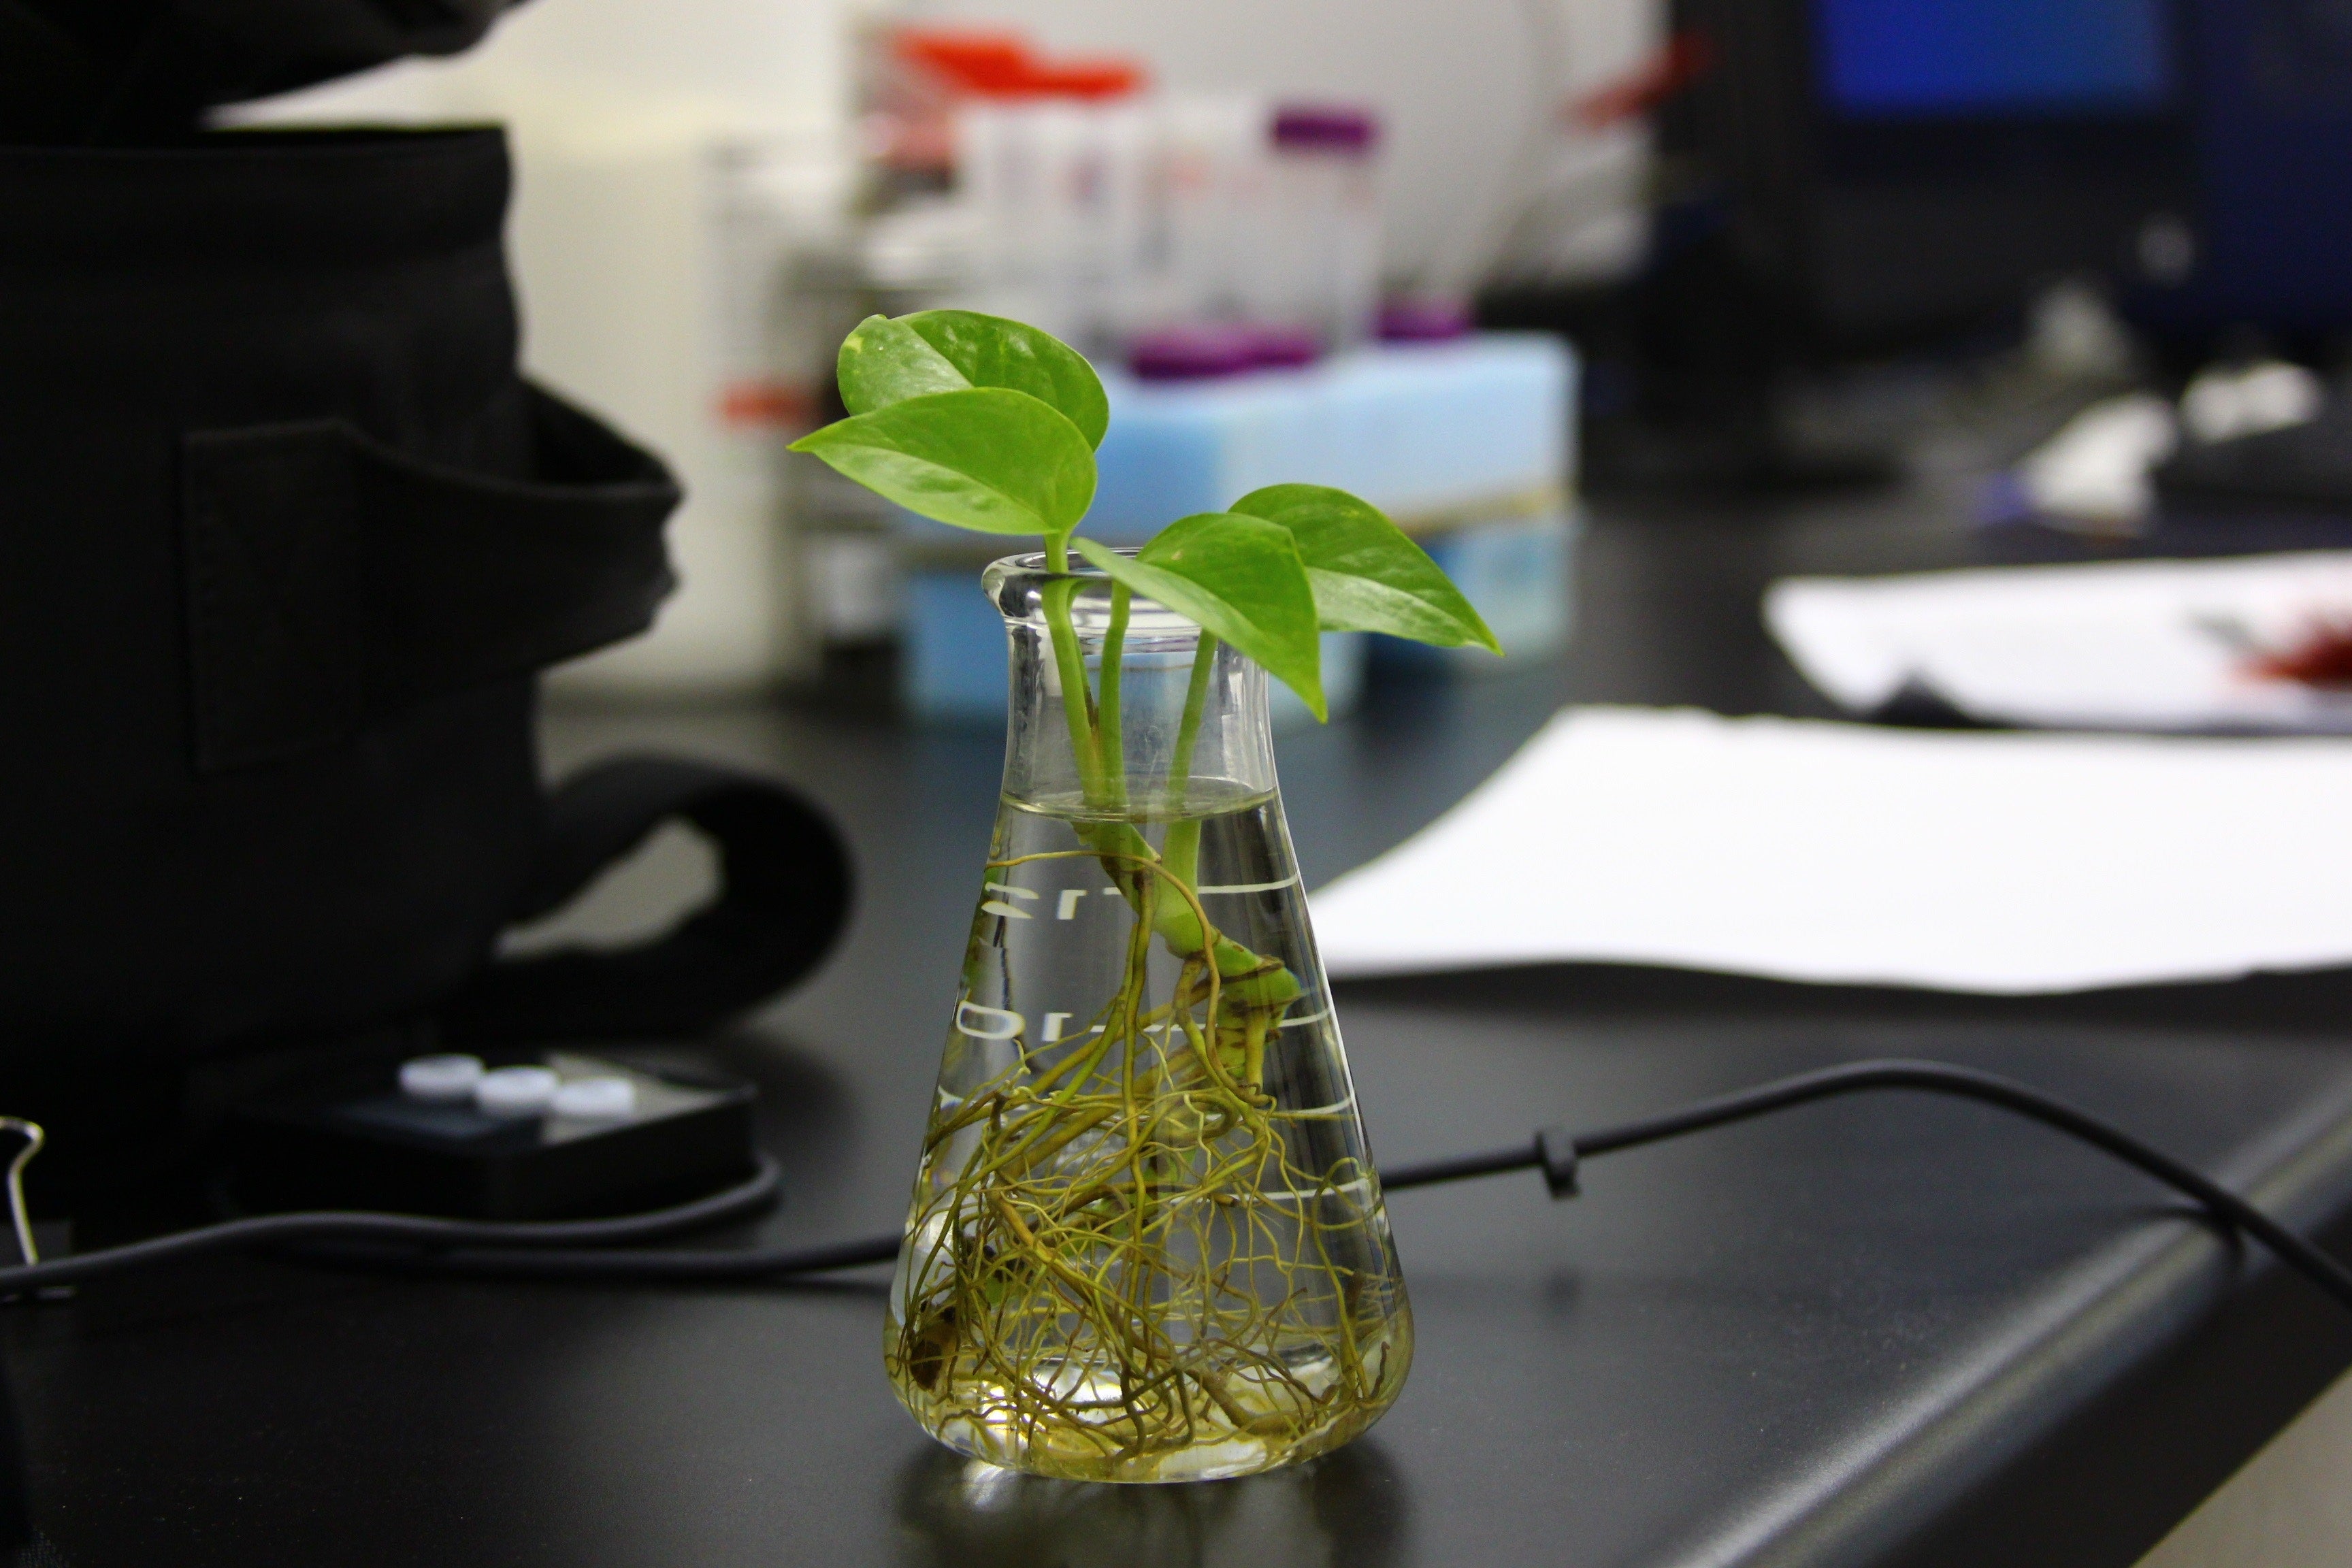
1126, 1260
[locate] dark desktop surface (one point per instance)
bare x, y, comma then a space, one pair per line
1892, 1331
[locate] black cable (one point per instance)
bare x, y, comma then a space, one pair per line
735, 1266
1556, 1153
571, 1251
492, 1237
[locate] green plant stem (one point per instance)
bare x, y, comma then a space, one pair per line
1072, 666
1107, 731
1183, 852
1255, 981
1196, 699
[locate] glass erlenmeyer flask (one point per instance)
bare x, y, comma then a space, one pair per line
1147, 1241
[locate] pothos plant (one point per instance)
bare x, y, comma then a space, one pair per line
990, 424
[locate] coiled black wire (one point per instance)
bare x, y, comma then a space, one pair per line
603, 1250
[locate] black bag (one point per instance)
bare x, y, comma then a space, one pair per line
283, 538
87, 72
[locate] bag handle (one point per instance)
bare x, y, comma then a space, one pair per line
332, 581
784, 899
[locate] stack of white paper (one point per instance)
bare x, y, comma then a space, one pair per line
2141, 644
1843, 853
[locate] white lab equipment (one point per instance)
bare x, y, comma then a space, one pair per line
1315, 260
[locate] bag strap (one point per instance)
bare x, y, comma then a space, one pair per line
332, 581
784, 899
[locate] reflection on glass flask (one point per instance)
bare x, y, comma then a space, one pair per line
1348, 1510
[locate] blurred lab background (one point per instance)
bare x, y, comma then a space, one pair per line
2076, 271
1922, 366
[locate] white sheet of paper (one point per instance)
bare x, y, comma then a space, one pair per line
2004, 863
2148, 645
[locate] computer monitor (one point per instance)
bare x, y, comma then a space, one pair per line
1895, 170
2269, 240
1893, 59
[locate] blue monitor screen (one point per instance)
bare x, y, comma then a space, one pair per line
1994, 57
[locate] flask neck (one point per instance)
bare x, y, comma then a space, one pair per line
1120, 707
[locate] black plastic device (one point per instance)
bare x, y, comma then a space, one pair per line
360, 1140
1898, 171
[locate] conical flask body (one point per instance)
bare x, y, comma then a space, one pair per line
1146, 1240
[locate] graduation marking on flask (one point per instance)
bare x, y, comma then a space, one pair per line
1008, 1024
999, 907
1290, 881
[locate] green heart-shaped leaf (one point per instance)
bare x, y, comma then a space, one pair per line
1239, 577
1366, 575
885, 361
984, 459
990, 350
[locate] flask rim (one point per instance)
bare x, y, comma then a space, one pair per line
1016, 585
1032, 564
